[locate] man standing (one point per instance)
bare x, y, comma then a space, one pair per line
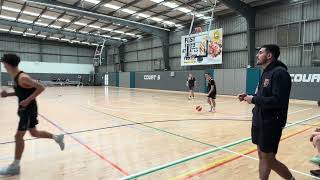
270, 112
191, 84
212, 92
26, 89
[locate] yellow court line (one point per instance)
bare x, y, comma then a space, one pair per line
232, 157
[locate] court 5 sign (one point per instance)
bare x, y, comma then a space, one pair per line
151, 77
306, 78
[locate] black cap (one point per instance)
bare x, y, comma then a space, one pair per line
11, 59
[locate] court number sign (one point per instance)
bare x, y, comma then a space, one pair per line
151, 77
306, 78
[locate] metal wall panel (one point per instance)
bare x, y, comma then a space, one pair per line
156, 42
312, 10
235, 42
30, 57
144, 55
132, 46
234, 59
290, 56
69, 59
51, 58
85, 52
131, 56
312, 33
144, 44
85, 60
233, 24
50, 49
27, 47
67, 50
266, 36
278, 15
157, 53
175, 50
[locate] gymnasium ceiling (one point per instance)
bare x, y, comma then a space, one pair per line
35, 20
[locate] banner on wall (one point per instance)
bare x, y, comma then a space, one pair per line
204, 48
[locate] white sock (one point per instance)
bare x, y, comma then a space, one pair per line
55, 137
16, 163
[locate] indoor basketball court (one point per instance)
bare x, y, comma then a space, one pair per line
128, 84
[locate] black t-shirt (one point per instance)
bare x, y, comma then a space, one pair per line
191, 81
212, 83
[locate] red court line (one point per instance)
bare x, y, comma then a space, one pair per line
86, 146
238, 157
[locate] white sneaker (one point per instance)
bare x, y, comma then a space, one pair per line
60, 141
11, 170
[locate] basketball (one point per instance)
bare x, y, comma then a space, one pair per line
199, 108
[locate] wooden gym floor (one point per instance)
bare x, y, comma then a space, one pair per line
116, 132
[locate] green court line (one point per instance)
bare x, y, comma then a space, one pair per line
174, 163
157, 129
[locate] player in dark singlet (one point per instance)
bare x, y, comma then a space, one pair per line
26, 89
191, 84
212, 92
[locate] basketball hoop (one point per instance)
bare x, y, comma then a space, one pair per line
198, 30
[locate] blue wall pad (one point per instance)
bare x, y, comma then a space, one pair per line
253, 76
132, 79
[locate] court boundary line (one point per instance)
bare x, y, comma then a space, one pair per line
220, 148
133, 124
240, 155
85, 145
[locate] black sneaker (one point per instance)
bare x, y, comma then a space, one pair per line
315, 172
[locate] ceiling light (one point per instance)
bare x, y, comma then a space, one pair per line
170, 4
31, 13
64, 20
156, 19
80, 23
143, 15
120, 32
25, 21
10, 9
56, 27
92, 1
30, 34
41, 24
129, 11
183, 9
7, 17
112, 6
6, 30
18, 32
94, 26
40, 35
48, 17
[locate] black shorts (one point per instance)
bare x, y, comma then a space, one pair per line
212, 95
191, 87
267, 138
28, 117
